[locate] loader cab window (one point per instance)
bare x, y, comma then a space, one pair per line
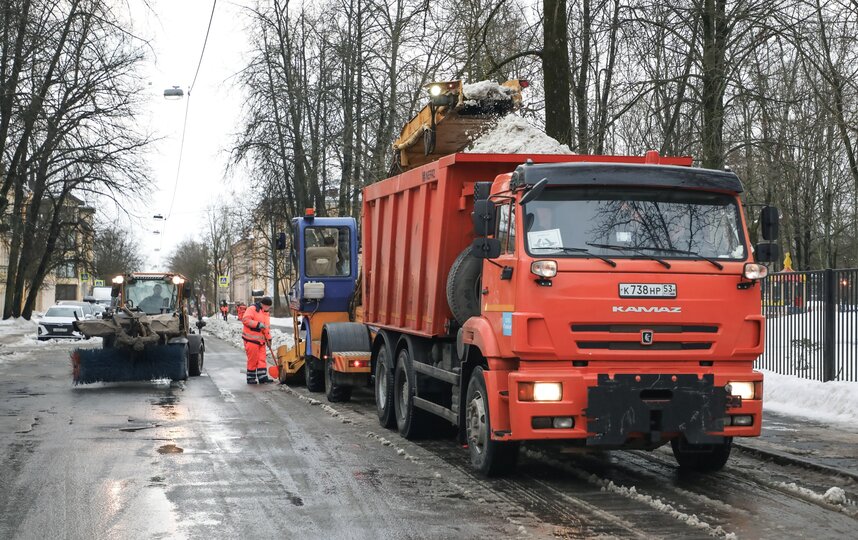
327, 252
152, 297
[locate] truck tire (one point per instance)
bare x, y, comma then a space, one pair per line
195, 361
701, 457
463, 286
412, 423
489, 457
334, 392
314, 378
384, 388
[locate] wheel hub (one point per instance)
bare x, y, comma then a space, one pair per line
476, 423
381, 382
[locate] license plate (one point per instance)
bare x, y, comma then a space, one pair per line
62, 330
647, 290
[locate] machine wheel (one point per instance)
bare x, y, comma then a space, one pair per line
384, 389
701, 457
489, 457
183, 370
315, 378
463, 286
412, 423
335, 393
195, 361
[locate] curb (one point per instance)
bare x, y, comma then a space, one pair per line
782, 458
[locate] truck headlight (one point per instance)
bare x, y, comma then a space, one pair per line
544, 269
744, 389
540, 391
435, 90
755, 271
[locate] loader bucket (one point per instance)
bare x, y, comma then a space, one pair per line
124, 365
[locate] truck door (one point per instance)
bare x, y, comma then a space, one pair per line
499, 301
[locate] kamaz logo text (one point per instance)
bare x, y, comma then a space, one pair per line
645, 309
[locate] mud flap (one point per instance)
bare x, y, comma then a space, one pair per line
653, 404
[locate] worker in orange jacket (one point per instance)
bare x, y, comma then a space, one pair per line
240, 309
257, 337
224, 309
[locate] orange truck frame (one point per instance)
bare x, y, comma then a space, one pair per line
604, 301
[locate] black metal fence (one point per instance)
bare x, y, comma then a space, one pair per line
812, 324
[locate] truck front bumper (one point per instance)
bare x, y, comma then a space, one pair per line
624, 409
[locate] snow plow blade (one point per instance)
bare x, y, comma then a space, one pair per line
125, 365
456, 114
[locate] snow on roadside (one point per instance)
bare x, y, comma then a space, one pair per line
833, 401
230, 331
835, 496
513, 134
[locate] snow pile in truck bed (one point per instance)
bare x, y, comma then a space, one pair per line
514, 135
831, 401
487, 90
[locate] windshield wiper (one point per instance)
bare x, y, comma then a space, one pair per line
718, 265
577, 250
631, 248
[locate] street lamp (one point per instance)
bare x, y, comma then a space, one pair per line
174, 93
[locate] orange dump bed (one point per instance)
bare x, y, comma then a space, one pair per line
416, 224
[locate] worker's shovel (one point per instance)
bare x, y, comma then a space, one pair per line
273, 369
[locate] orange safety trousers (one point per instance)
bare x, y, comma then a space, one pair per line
256, 366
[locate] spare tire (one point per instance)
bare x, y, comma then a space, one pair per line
464, 286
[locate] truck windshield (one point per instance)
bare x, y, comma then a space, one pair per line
151, 296
634, 223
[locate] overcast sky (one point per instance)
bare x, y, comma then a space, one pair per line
177, 29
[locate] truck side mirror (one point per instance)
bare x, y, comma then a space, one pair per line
281, 241
766, 252
482, 190
486, 248
770, 221
484, 217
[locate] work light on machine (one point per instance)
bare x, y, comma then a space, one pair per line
435, 90
117, 280
177, 280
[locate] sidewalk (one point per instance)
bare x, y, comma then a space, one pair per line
807, 441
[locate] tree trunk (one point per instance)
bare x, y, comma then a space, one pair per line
556, 71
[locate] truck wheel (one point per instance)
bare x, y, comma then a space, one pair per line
489, 457
463, 286
411, 422
701, 457
314, 378
195, 362
384, 389
335, 393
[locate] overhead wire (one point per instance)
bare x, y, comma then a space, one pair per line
185, 120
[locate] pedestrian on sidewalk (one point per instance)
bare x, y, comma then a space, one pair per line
224, 309
257, 337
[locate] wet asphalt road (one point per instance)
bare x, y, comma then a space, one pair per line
216, 458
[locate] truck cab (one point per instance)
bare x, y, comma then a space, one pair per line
619, 307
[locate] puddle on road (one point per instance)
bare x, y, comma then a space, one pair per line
170, 449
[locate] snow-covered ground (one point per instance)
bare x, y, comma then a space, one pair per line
513, 134
18, 338
832, 401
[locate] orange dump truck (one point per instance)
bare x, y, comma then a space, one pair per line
606, 301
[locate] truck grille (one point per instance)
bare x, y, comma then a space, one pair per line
617, 330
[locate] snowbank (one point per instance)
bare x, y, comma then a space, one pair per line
230, 331
829, 402
487, 90
514, 135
